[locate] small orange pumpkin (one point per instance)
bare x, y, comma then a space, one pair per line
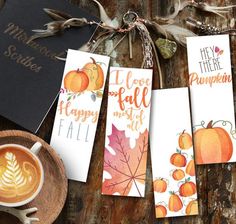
212, 145
190, 169
160, 185
187, 189
185, 141
76, 81
161, 211
177, 159
192, 208
178, 174
175, 204
95, 75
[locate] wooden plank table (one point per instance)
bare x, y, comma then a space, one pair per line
216, 183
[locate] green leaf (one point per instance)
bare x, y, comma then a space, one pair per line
101, 63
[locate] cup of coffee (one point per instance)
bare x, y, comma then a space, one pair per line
21, 174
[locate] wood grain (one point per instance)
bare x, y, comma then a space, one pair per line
51, 198
216, 183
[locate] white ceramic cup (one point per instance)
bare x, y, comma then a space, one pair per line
33, 151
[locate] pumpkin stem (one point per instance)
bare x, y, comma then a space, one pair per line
210, 124
78, 70
183, 131
94, 62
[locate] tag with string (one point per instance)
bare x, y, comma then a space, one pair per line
78, 111
173, 165
211, 90
127, 126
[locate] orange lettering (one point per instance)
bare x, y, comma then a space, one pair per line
118, 80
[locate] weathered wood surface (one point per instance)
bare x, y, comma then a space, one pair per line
216, 183
54, 175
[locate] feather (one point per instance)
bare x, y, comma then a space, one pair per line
174, 32
57, 15
210, 29
179, 6
104, 17
75, 22
56, 27
218, 10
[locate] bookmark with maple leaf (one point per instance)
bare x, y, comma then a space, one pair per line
127, 128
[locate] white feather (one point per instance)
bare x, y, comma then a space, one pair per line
175, 32
104, 17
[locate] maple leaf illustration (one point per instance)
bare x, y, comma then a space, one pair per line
128, 165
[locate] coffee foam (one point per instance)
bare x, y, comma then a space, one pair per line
19, 175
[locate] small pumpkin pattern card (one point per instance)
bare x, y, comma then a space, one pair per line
78, 111
171, 144
210, 82
127, 129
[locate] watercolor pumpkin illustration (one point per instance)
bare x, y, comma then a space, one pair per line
190, 169
175, 204
161, 211
178, 174
187, 189
160, 185
95, 75
192, 208
76, 81
177, 159
212, 145
185, 141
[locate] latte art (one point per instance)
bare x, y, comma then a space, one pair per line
19, 175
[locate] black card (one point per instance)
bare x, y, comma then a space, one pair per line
30, 76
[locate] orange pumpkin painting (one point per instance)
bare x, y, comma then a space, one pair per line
212, 145
76, 81
95, 75
185, 141
178, 174
161, 211
160, 185
192, 208
190, 169
175, 204
187, 189
179, 160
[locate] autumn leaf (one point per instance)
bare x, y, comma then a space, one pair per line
127, 166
